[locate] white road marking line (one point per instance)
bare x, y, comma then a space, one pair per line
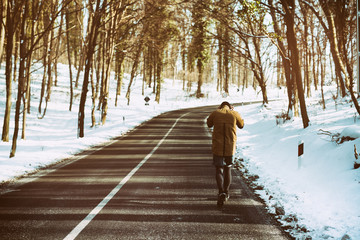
77, 230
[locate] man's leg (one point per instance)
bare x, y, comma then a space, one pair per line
220, 183
227, 179
220, 179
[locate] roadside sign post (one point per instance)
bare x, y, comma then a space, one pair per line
147, 99
300, 153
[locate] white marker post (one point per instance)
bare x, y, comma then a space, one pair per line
300, 153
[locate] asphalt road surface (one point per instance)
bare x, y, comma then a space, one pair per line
157, 182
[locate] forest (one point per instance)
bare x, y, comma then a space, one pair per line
304, 44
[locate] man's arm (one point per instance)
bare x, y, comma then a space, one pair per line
210, 120
239, 120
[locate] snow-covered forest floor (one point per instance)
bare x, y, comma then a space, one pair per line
319, 200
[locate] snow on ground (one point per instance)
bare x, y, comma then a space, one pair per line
319, 200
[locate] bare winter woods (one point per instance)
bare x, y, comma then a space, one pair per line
242, 43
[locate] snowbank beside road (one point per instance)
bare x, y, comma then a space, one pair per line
321, 200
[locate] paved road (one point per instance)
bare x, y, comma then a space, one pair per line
157, 182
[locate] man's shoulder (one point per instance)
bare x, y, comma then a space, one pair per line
217, 111
235, 113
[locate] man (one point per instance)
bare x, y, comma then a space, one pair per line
224, 120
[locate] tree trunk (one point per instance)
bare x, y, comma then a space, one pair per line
285, 59
144, 75
306, 54
46, 59
119, 73
10, 25
109, 50
315, 71
331, 34
260, 71
159, 66
67, 24
289, 7
27, 97
93, 97
3, 17
50, 66
183, 61
339, 67
91, 43
133, 72
226, 61
101, 51
82, 60
23, 44
220, 59
154, 62
200, 68
48, 56
323, 68
58, 41
340, 9
150, 63
16, 53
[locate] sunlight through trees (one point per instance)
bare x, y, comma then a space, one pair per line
295, 44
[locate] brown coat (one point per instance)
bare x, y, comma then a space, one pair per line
224, 121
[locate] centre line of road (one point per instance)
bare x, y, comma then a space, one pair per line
77, 230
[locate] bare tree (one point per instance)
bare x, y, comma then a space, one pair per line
331, 9
199, 45
67, 26
12, 21
23, 43
94, 24
26, 50
3, 12
285, 58
48, 55
134, 69
289, 8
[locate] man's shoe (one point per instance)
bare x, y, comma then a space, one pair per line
227, 197
221, 199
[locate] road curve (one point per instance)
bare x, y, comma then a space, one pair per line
157, 182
